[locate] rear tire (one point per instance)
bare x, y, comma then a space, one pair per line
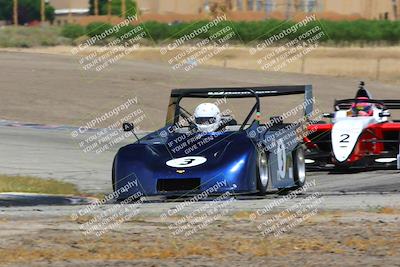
263, 175
299, 167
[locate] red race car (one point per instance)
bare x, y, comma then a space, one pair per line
360, 135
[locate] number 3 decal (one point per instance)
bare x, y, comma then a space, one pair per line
186, 162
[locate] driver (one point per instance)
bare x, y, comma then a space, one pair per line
207, 117
363, 109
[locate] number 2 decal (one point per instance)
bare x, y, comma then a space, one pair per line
345, 138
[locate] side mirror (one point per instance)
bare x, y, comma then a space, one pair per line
328, 115
384, 114
128, 126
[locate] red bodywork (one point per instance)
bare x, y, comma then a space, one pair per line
370, 141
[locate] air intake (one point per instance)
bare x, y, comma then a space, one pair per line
170, 185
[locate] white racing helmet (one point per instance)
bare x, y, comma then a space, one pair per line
207, 117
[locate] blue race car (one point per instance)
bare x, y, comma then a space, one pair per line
210, 151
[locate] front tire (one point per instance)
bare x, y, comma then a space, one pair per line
263, 175
113, 175
299, 167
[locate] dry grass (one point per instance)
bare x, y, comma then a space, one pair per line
31, 37
242, 215
388, 210
110, 248
36, 185
146, 240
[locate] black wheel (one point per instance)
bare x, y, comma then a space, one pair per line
113, 175
299, 167
263, 176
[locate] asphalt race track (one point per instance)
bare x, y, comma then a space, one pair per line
63, 94
53, 89
346, 219
52, 153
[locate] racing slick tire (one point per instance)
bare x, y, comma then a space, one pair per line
299, 167
113, 175
263, 174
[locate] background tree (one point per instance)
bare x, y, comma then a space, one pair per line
101, 4
131, 7
6, 7
28, 10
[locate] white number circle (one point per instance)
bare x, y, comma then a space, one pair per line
186, 162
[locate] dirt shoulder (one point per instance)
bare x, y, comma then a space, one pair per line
375, 63
337, 238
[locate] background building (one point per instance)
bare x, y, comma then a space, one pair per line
69, 10
261, 9
76, 11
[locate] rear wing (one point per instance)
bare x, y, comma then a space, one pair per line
392, 104
347, 103
240, 92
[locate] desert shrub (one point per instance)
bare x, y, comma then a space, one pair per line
97, 28
30, 36
72, 31
337, 32
249, 31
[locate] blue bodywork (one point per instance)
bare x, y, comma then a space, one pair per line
231, 158
226, 158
